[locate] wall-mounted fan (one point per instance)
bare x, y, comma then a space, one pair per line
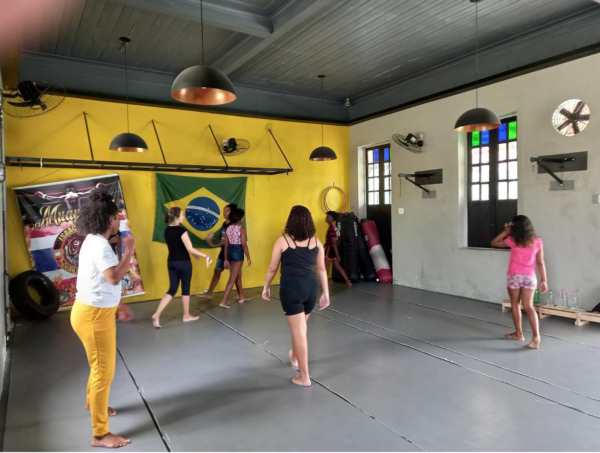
234, 146
29, 100
571, 117
410, 142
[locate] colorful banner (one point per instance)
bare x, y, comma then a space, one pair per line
48, 214
201, 199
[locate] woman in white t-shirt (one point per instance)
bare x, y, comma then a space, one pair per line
97, 305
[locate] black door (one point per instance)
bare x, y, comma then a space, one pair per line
379, 193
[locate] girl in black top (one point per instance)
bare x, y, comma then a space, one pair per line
298, 252
179, 264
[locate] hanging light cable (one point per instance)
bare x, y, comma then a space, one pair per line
203, 85
322, 152
127, 142
477, 119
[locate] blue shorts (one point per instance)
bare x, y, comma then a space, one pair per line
220, 266
235, 252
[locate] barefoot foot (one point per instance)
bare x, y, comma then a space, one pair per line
298, 380
349, 285
223, 305
110, 441
111, 411
190, 318
244, 299
156, 321
237, 297
535, 343
515, 336
204, 295
293, 361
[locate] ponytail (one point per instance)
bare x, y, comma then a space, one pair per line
171, 215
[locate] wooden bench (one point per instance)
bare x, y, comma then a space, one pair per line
581, 317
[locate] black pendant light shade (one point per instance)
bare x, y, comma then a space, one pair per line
323, 153
128, 143
203, 85
478, 119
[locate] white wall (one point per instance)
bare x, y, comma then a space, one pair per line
429, 239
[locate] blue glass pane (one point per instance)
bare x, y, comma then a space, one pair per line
375, 155
502, 133
386, 154
485, 137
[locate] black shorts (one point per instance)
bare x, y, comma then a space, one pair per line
179, 271
298, 295
330, 254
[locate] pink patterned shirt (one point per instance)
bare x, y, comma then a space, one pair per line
234, 234
523, 259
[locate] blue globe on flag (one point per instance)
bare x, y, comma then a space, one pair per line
202, 213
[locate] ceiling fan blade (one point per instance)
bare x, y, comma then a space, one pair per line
576, 127
566, 113
584, 117
563, 125
21, 104
580, 105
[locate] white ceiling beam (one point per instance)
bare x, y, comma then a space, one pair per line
215, 15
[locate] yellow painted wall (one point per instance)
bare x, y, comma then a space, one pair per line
186, 139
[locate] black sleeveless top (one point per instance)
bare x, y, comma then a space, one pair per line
299, 261
177, 250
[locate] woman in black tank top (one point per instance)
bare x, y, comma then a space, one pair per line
299, 251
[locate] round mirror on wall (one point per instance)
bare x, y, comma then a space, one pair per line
571, 117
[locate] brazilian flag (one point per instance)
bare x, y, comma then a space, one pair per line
202, 201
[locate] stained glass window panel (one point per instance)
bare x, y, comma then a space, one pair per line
485, 155
474, 174
485, 192
512, 150
475, 138
376, 155
485, 137
513, 190
475, 156
386, 154
502, 133
503, 191
502, 151
485, 173
512, 170
512, 130
475, 192
370, 156
502, 171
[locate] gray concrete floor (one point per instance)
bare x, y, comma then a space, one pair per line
394, 369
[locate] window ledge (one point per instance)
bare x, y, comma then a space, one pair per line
483, 249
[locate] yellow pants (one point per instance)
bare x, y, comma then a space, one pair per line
97, 330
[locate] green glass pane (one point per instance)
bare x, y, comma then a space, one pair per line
475, 138
512, 130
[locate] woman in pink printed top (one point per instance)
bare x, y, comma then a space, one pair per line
526, 250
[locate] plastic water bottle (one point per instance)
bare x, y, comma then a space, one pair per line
576, 300
565, 299
550, 298
536, 297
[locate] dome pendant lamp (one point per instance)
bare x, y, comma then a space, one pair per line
127, 142
322, 152
203, 85
477, 119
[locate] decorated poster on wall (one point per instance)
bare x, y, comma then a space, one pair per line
48, 214
202, 201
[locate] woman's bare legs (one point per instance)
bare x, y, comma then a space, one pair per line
297, 325
240, 289
213, 284
185, 301
293, 359
515, 299
161, 306
235, 268
527, 297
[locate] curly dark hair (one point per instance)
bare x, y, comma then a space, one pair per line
171, 214
236, 215
300, 224
333, 214
94, 217
522, 231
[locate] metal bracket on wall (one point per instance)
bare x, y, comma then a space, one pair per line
560, 163
277, 143
424, 178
